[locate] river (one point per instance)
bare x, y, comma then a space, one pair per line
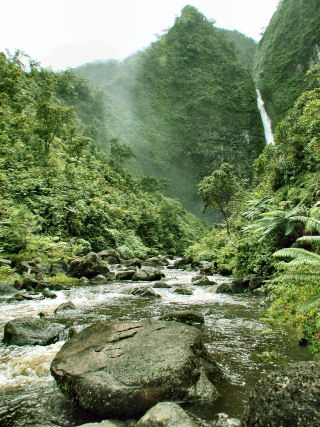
244, 345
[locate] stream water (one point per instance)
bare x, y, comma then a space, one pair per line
243, 344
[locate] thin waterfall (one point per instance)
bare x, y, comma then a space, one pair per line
265, 120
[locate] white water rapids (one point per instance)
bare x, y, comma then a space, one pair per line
265, 120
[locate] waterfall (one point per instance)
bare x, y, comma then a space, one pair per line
265, 120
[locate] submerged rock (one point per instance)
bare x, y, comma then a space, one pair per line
186, 316
161, 285
166, 414
203, 281
31, 331
122, 369
145, 292
289, 397
183, 291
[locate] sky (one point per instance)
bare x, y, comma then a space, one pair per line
66, 33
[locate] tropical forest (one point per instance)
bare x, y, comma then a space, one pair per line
159, 254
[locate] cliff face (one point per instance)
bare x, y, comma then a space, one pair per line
288, 48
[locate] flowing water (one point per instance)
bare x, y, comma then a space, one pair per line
244, 345
265, 120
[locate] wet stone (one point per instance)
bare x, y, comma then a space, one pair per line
136, 365
186, 316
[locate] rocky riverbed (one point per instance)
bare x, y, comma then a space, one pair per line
244, 346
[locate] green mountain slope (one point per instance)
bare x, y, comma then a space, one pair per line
289, 46
60, 196
185, 106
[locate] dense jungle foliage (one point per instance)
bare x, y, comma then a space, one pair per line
60, 195
187, 103
273, 228
288, 48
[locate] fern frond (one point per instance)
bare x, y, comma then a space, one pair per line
309, 221
303, 262
296, 253
308, 239
313, 302
298, 277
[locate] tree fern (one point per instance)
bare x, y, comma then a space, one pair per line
305, 264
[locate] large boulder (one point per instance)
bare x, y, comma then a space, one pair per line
88, 266
31, 331
166, 414
122, 369
147, 274
289, 397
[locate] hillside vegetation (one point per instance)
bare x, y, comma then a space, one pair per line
60, 195
288, 48
185, 105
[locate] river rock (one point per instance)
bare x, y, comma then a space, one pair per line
166, 414
183, 291
5, 262
88, 266
99, 279
59, 267
183, 262
225, 421
48, 294
145, 292
7, 289
224, 288
203, 281
29, 281
161, 285
108, 423
208, 268
132, 262
252, 281
122, 369
289, 397
156, 261
147, 274
65, 306
125, 274
186, 316
111, 256
236, 286
31, 331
